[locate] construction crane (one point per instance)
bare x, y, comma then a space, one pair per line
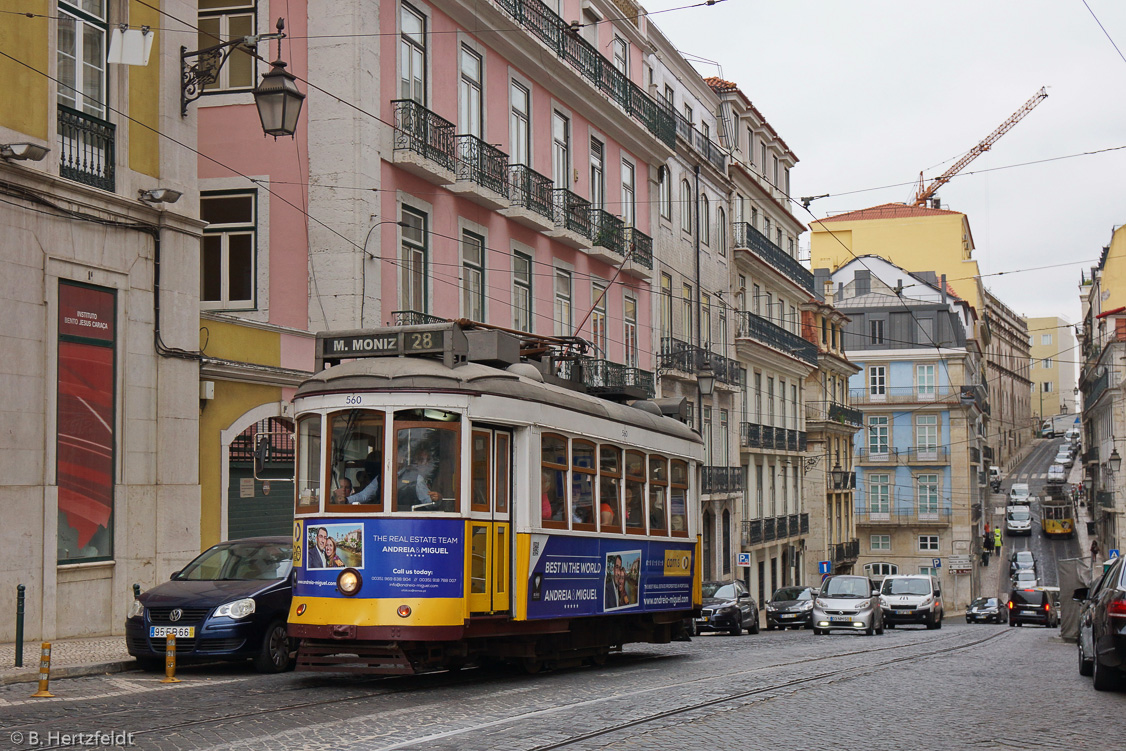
922, 193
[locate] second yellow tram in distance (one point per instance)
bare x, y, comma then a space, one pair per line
455, 505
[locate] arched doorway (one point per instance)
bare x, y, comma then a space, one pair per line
260, 505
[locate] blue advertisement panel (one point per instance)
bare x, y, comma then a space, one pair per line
396, 557
589, 576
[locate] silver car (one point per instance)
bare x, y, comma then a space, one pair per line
848, 602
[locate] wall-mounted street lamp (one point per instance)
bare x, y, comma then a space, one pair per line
1114, 461
32, 152
277, 97
838, 476
159, 195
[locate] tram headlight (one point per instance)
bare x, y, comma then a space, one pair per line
349, 582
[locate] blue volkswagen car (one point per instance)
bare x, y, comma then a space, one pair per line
230, 603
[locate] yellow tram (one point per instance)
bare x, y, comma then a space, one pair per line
458, 501
1057, 518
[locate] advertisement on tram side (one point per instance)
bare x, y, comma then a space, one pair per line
395, 557
590, 576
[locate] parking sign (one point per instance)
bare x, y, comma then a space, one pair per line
744, 559
936, 562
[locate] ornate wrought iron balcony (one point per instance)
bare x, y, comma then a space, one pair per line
755, 436
425, 133
414, 318
845, 415
765, 332
605, 375
531, 190
571, 212
639, 247
750, 238
482, 163
845, 552
723, 479
689, 358
87, 152
542, 23
606, 230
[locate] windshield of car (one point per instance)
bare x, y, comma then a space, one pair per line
1024, 575
1020, 515
984, 602
1019, 489
240, 562
1025, 557
720, 590
846, 587
789, 594
906, 587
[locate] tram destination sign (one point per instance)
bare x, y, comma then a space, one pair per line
384, 344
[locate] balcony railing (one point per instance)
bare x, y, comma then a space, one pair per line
701, 143
571, 212
425, 133
845, 552
769, 529
678, 355
87, 152
414, 318
482, 163
1096, 389
604, 375
759, 329
606, 231
723, 479
746, 236
531, 190
904, 516
755, 436
772, 528
639, 247
553, 31
903, 395
845, 415
925, 455
752, 532
805, 524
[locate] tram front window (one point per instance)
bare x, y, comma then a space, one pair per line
308, 464
426, 462
356, 459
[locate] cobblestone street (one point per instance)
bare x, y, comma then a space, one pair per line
961, 687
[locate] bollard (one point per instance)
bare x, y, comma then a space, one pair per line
20, 589
136, 591
170, 660
44, 672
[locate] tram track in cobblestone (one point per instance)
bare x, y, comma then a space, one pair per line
452, 680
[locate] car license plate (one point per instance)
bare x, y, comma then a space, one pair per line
180, 632
840, 618
789, 615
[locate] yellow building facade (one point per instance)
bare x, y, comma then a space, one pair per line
1054, 354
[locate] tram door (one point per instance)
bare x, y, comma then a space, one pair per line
490, 527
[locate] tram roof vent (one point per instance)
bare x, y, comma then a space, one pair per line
496, 348
526, 370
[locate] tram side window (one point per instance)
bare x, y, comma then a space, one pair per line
678, 498
610, 488
553, 481
582, 485
308, 464
479, 470
355, 472
635, 492
426, 461
658, 489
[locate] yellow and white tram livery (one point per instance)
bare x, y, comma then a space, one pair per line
454, 505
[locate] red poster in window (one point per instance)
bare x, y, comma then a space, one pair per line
85, 450
86, 312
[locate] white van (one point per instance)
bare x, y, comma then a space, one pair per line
1056, 474
1019, 494
1018, 520
911, 598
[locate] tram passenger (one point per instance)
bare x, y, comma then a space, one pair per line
551, 506
633, 505
368, 477
415, 479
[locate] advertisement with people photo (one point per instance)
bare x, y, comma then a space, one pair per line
335, 546
623, 580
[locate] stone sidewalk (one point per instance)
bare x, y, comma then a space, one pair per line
70, 658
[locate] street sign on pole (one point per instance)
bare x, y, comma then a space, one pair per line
744, 559
936, 562
1113, 553
823, 567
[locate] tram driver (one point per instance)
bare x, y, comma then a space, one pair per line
416, 479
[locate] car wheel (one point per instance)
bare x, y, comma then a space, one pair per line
819, 632
880, 629
940, 614
754, 626
1086, 667
274, 657
769, 626
1012, 623
737, 628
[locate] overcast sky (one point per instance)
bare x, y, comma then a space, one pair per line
869, 92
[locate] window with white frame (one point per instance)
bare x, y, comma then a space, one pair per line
928, 571
926, 436
685, 206
1047, 387
1045, 339
81, 56
879, 494
521, 291
723, 444
666, 305
664, 189
473, 276
706, 319
228, 257
597, 174
928, 542
620, 49
878, 435
880, 542
412, 54
562, 302
876, 329
598, 318
926, 494
413, 262
686, 310
560, 150
924, 381
221, 21
721, 231
520, 124
877, 382
629, 310
628, 191
1047, 362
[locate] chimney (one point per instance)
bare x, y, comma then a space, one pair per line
943, 288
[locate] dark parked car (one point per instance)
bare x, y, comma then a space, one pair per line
728, 606
987, 610
1032, 606
790, 607
230, 603
1102, 628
